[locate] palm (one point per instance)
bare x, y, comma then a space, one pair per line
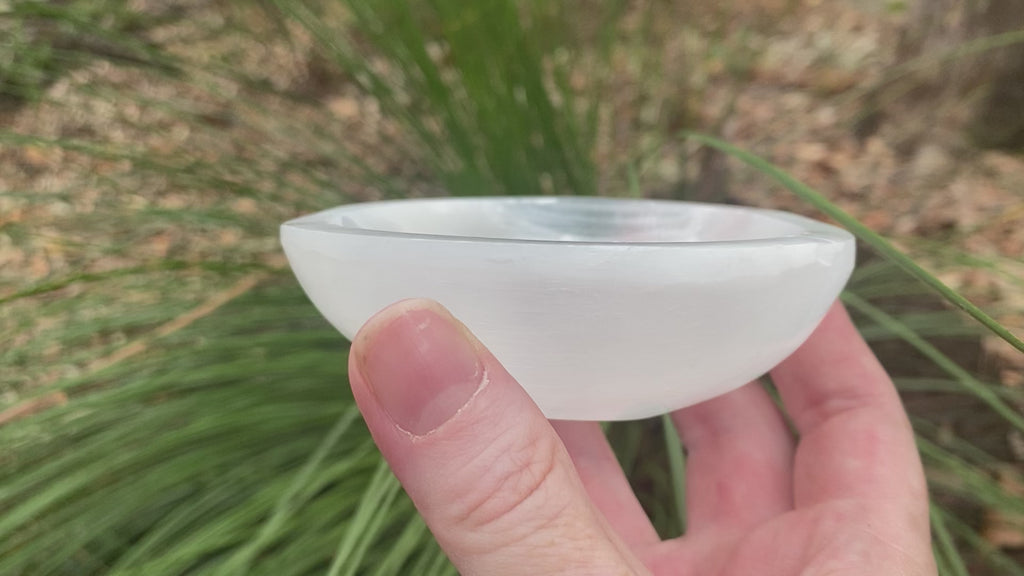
848, 498
827, 539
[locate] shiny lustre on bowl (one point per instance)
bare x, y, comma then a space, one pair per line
602, 308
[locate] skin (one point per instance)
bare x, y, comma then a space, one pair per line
507, 492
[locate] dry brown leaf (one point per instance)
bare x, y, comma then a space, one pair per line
344, 107
811, 152
33, 406
1011, 378
878, 220
38, 157
205, 309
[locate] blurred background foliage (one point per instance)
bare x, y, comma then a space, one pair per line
170, 403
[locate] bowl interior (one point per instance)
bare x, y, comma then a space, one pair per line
567, 220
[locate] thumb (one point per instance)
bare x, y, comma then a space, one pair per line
475, 454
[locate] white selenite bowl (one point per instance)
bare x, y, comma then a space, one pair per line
601, 308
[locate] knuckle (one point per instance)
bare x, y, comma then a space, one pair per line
509, 485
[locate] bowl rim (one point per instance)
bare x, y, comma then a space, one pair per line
813, 231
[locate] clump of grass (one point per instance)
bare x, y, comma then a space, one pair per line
475, 86
205, 424
44, 40
204, 457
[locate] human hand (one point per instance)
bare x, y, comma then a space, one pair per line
508, 493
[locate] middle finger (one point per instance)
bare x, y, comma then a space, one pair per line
739, 469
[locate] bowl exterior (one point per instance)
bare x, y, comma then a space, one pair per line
593, 332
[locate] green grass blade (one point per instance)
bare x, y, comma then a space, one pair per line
677, 467
969, 48
993, 556
862, 232
409, 541
944, 544
242, 561
381, 491
965, 378
965, 479
54, 285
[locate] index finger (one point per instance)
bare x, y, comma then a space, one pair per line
856, 441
